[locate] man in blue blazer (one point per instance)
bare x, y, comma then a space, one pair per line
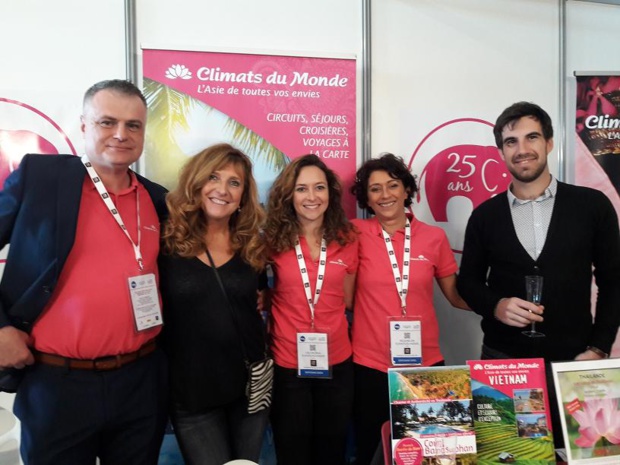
79, 304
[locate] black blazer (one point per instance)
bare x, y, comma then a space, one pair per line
38, 218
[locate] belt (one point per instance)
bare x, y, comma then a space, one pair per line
98, 364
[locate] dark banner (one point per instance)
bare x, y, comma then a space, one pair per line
598, 135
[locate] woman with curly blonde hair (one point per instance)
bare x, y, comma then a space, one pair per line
313, 251
214, 221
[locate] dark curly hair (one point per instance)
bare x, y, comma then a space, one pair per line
394, 166
282, 227
515, 112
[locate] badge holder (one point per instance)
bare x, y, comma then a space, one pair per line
144, 301
312, 354
405, 336
142, 287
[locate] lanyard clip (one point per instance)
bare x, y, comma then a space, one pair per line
140, 264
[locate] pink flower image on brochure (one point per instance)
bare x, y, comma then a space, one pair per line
588, 398
598, 419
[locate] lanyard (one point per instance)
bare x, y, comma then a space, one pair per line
112, 208
304, 275
402, 282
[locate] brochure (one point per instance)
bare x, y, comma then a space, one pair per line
588, 398
511, 414
431, 416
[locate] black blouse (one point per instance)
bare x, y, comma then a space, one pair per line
201, 338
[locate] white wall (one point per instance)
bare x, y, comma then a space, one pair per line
592, 42
318, 26
593, 37
53, 51
434, 61
66, 44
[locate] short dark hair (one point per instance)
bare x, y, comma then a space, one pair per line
515, 112
117, 85
394, 166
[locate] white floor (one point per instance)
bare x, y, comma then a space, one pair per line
9, 432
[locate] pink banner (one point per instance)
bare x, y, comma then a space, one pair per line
597, 142
275, 108
26, 129
459, 167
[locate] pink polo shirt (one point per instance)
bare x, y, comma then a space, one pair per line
290, 311
89, 314
376, 297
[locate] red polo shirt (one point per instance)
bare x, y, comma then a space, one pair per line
290, 311
89, 314
376, 297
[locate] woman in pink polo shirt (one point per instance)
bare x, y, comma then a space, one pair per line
399, 258
314, 259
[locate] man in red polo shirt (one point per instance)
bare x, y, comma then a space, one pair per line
79, 304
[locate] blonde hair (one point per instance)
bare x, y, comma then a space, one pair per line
185, 229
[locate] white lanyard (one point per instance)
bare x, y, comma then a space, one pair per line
112, 208
319, 277
402, 282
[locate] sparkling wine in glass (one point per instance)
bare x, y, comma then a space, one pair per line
533, 289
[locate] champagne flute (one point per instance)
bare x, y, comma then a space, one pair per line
533, 289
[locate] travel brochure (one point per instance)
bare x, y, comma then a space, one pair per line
497, 411
511, 411
431, 412
588, 396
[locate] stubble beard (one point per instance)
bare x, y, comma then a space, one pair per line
529, 175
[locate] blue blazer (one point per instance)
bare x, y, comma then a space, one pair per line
38, 218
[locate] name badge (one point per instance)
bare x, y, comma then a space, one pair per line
312, 355
405, 341
145, 301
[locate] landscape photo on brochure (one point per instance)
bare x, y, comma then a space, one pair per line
511, 412
431, 415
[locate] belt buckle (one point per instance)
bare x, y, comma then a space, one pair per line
106, 363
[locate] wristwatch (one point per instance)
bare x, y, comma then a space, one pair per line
598, 352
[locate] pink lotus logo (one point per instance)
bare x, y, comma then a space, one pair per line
178, 72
